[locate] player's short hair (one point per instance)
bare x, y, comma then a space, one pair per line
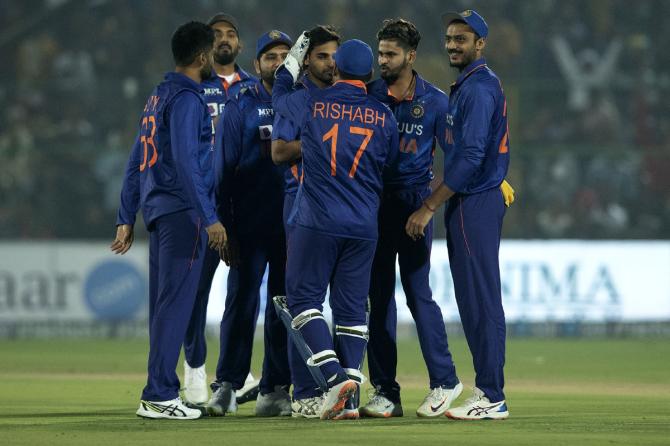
190, 40
321, 34
402, 31
353, 77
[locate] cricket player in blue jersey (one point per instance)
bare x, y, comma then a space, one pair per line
420, 109
225, 81
319, 67
347, 137
169, 176
475, 164
250, 197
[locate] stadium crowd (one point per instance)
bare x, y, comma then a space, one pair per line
585, 165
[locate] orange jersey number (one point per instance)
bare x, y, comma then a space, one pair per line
148, 141
332, 136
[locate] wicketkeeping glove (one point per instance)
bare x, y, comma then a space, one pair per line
296, 55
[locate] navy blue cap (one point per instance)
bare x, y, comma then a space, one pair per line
223, 17
273, 38
354, 57
469, 16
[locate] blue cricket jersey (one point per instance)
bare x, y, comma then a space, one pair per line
169, 168
250, 191
477, 154
218, 90
347, 139
285, 129
421, 124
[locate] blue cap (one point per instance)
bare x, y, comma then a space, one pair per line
271, 38
469, 16
354, 57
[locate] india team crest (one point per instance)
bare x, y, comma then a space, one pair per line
274, 34
466, 13
417, 111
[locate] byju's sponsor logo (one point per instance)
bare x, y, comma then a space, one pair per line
115, 289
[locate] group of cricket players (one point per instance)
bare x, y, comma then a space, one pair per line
319, 174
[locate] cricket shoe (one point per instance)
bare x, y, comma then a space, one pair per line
168, 410
195, 384
350, 411
438, 401
336, 398
478, 407
307, 407
249, 391
274, 404
380, 406
222, 400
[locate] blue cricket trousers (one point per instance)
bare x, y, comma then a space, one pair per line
474, 225
242, 305
177, 246
414, 261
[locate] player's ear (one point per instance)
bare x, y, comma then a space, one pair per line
411, 56
480, 44
257, 66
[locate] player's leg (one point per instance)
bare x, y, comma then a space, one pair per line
414, 262
237, 326
474, 224
195, 345
178, 246
382, 349
311, 260
273, 398
306, 393
351, 280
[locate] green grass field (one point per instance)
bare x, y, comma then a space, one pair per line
581, 392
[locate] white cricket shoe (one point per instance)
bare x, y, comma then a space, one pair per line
307, 407
438, 401
195, 384
381, 407
335, 399
249, 391
275, 404
478, 407
222, 400
169, 410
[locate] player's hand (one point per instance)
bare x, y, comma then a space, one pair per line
124, 239
230, 254
296, 56
417, 222
507, 192
216, 234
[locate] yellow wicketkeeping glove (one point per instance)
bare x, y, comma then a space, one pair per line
508, 192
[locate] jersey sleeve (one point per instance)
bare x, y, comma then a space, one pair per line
186, 115
285, 129
130, 192
440, 124
286, 101
476, 113
230, 150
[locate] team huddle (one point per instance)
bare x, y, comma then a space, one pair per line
321, 175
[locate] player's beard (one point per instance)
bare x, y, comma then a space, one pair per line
325, 76
391, 76
223, 57
268, 76
467, 57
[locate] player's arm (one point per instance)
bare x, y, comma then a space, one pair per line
231, 125
285, 140
477, 111
186, 114
130, 201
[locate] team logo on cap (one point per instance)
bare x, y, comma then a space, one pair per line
417, 111
274, 34
466, 13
